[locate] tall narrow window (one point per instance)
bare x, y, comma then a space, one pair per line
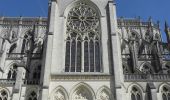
135, 94
83, 40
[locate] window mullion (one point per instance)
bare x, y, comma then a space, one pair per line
82, 57
76, 56
70, 56
94, 46
89, 55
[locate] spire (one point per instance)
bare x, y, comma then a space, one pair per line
167, 32
150, 28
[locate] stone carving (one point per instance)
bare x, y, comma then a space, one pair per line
82, 18
82, 94
104, 95
59, 95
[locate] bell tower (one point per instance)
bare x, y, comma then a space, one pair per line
82, 52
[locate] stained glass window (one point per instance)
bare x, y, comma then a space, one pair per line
83, 40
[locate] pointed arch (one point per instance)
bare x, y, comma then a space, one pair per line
135, 34
59, 93
82, 90
135, 85
162, 85
4, 94
83, 54
104, 93
135, 91
75, 2
164, 89
7, 90
146, 68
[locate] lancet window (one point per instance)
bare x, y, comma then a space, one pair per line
83, 40
135, 94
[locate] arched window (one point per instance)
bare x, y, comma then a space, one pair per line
12, 72
165, 93
83, 40
135, 94
32, 96
3, 95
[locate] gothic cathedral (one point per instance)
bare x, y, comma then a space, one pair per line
83, 51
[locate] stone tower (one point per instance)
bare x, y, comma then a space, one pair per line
78, 58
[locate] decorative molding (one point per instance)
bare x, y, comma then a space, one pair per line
80, 77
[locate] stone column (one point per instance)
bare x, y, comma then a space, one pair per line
19, 81
134, 54
116, 59
47, 54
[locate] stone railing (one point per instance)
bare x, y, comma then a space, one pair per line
126, 56
31, 82
145, 57
141, 57
146, 77
15, 56
19, 56
36, 55
7, 81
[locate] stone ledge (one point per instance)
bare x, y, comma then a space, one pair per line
80, 77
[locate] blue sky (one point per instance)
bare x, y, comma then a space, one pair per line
158, 9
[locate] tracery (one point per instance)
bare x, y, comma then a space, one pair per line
83, 40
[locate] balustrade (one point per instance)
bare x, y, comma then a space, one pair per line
7, 81
147, 77
31, 82
19, 56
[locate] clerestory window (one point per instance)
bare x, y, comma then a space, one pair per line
83, 40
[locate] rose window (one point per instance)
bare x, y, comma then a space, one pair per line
82, 18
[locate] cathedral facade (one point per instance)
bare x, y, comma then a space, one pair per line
83, 51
